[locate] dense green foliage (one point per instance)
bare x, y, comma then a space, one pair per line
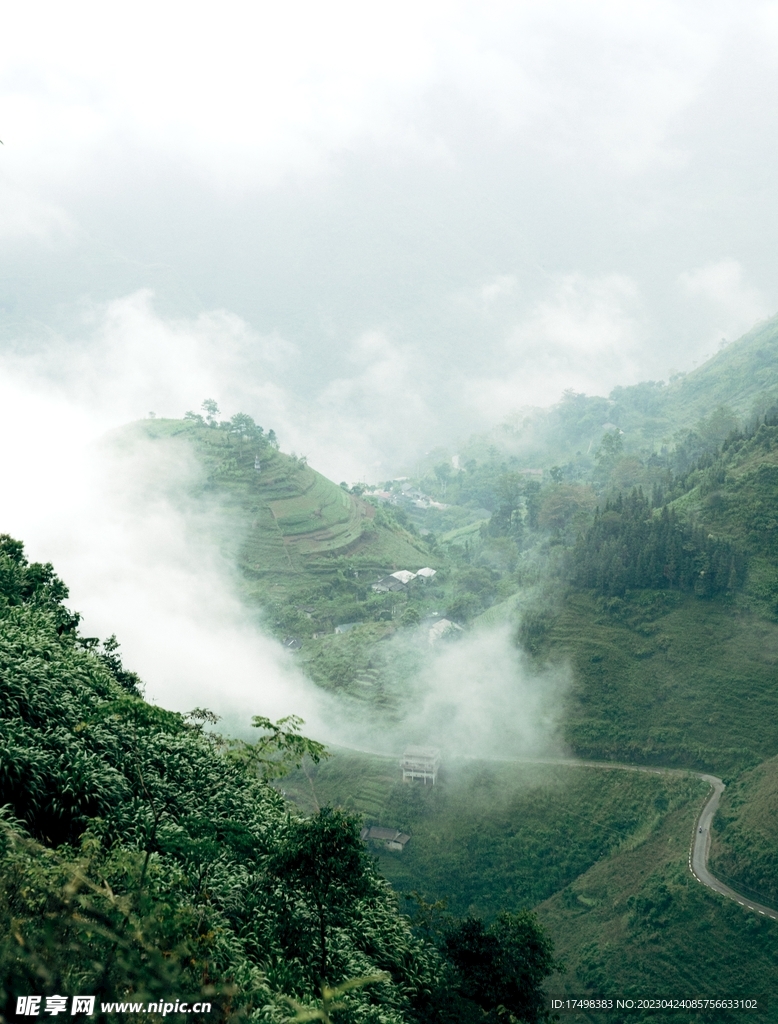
500, 970
141, 852
629, 546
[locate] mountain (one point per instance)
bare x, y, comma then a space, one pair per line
741, 379
642, 561
293, 537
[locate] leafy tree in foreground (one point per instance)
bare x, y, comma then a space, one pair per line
141, 854
501, 970
325, 860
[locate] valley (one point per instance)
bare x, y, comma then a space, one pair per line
593, 636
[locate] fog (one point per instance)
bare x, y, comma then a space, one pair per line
472, 695
375, 230
141, 560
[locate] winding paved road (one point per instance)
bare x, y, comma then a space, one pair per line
699, 848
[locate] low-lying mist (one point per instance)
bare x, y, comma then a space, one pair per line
474, 694
143, 559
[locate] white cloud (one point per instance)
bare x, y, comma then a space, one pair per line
479, 695
502, 286
249, 91
24, 215
723, 293
585, 333
476, 696
374, 417
724, 303
140, 562
125, 361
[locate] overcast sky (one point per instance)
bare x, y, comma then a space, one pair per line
376, 227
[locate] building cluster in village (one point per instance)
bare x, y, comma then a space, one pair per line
399, 581
405, 495
390, 838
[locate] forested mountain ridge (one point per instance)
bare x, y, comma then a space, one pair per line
667, 607
742, 378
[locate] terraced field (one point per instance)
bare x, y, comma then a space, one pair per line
288, 529
264, 548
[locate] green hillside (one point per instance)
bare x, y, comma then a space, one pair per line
292, 535
667, 679
745, 837
665, 607
639, 925
734, 495
741, 377
494, 835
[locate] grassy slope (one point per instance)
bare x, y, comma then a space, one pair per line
665, 679
638, 924
745, 836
